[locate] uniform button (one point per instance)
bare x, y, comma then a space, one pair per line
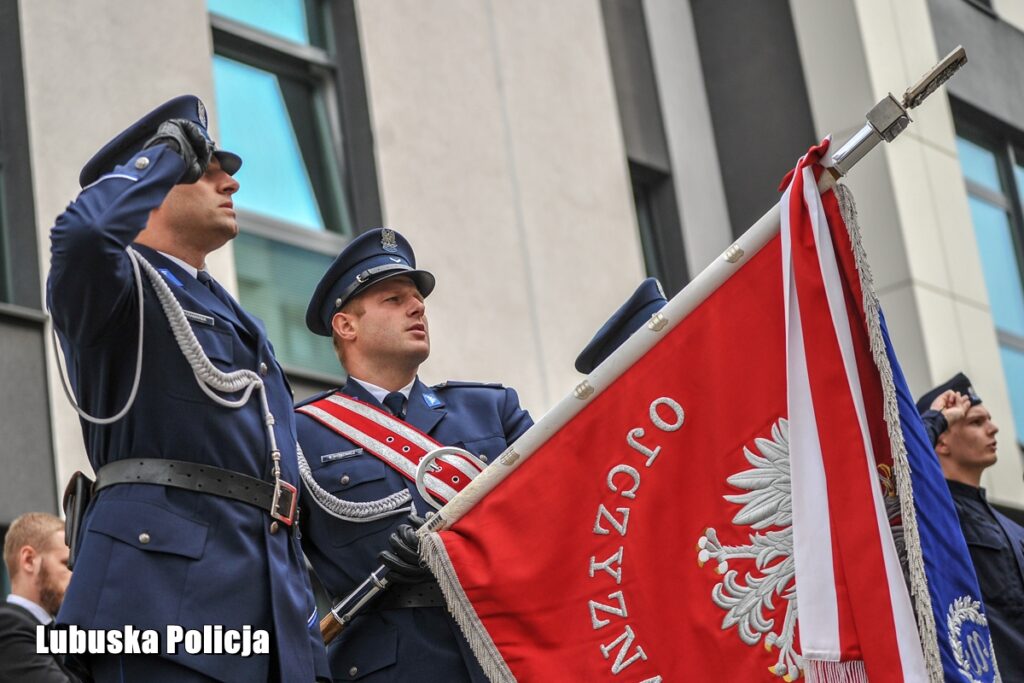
274, 526
143, 538
484, 458
141, 163
353, 671
263, 369
345, 480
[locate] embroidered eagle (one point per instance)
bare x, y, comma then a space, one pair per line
767, 503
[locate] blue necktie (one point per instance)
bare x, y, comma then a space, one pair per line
395, 404
206, 279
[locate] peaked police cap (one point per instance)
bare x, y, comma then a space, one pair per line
368, 259
647, 300
130, 141
958, 382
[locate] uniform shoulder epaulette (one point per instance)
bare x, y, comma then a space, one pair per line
456, 384
316, 397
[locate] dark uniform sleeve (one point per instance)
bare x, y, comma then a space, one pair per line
91, 280
515, 419
19, 660
934, 423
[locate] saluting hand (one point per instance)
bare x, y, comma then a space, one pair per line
953, 405
187, 140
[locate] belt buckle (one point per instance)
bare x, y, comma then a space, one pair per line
288, 501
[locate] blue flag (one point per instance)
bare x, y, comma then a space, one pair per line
960, 623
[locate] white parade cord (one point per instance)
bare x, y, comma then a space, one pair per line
208, 376
210, 379
350, 511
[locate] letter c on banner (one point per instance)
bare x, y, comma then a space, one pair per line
628, 471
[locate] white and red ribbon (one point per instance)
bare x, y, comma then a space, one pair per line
855, 609
400, 445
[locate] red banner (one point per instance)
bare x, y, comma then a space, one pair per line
649, 534
584, 564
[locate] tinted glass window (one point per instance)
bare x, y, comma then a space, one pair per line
999, 263
1013, 368
275, 282
979, 164
283, 18
255, 123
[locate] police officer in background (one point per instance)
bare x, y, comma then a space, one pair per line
371, 303
191, 523
965, 442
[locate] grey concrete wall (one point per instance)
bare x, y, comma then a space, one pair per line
500, 155
696, 171
757, 97
91, 68
26, 446
992, 80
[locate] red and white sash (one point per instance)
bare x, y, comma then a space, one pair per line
400, 445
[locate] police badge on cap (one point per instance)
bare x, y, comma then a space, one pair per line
369, 258
201, 113
388, 242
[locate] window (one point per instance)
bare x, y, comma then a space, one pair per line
5, 285
650, 170
304, 185
983, 4
19, 250
993, 169
658, 224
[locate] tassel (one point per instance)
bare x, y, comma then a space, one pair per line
819, 671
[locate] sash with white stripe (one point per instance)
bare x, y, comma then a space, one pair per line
400, 445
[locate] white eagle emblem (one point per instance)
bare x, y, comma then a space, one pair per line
767, 503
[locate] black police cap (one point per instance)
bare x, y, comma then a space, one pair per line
369, 258
957, 382
647, 300
128, 143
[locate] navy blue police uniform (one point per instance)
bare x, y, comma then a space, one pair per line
996, 544
407, 634
152, 555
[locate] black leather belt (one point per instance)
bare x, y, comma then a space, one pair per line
279, 501
409, 595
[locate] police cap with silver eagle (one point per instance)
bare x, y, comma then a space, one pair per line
368, 259
647, 300
958, 383
128, 143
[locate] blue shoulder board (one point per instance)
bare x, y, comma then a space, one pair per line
452, 384
316, 397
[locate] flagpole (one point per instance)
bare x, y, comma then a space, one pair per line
884, 122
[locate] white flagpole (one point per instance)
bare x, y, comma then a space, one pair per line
885, 121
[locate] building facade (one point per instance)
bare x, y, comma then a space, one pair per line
543, 157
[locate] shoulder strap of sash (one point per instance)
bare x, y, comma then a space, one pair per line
400, 445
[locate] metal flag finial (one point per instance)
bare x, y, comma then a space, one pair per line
889, 117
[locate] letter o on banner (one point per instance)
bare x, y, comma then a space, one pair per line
676, 409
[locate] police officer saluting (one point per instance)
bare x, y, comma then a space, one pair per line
186, 415
362, 443
964, 437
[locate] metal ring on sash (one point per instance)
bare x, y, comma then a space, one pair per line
424, 467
